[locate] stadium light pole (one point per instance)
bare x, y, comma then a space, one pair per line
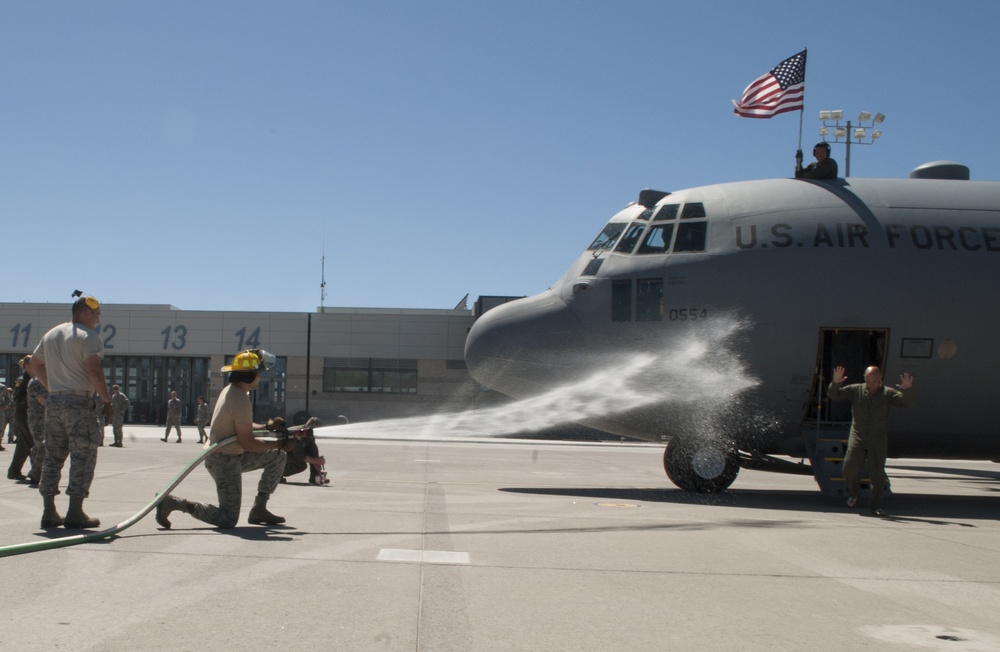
862, 133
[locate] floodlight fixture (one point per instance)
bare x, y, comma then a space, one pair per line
849, 132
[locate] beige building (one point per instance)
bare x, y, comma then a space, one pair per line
340, 364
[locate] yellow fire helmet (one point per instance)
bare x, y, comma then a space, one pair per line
255, 360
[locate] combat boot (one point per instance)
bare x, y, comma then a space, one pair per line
50, 517
259, 514
170, 504
76, 518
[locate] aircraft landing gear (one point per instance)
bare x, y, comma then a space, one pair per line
702, 466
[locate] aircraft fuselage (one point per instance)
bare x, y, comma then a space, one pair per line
894, 272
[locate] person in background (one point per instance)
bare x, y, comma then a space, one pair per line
305, 454
201, 418
173, 416
4, 404
22, 449
37, 397
119, 405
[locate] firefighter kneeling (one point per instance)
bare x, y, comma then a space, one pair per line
233, 415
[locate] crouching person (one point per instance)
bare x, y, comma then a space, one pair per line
233, 415
304, 454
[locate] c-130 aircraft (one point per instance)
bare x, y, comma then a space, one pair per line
897, 273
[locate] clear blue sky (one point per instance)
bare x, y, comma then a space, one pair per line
208, 154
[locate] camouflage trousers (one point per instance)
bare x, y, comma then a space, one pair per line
70, 430
36, 424
227, 471
173, 422
116, 427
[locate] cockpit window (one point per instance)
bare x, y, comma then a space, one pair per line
646, 214
657, 239
630, 239
667, 212
692, 210
691, 236
608, 237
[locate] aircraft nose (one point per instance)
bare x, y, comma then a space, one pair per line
521, 347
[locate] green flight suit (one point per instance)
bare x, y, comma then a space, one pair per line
869, 439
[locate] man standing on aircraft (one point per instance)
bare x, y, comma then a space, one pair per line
869, 439
824, 167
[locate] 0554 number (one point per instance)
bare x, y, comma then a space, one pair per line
687, 314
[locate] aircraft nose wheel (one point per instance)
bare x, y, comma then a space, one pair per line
700, 466
708, 462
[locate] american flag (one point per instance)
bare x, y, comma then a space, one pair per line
780, 90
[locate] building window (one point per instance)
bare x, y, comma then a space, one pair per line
269, 399
378, 375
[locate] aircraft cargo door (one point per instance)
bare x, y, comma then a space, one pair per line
826, 423
855, 349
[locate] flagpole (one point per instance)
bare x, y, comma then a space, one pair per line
801, 112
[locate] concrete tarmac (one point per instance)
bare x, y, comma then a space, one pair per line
509, 545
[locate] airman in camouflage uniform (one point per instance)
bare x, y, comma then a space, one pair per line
8, 412
173, 416
119, 403
4, 402
22, 451
68, 361
37, 397
201, 419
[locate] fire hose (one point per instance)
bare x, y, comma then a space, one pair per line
61, 542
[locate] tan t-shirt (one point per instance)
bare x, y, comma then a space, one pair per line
64, 350
232, 409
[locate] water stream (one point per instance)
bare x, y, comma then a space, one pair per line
701, 368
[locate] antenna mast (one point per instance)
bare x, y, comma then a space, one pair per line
322, 281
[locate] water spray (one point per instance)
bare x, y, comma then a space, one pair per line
695, 372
